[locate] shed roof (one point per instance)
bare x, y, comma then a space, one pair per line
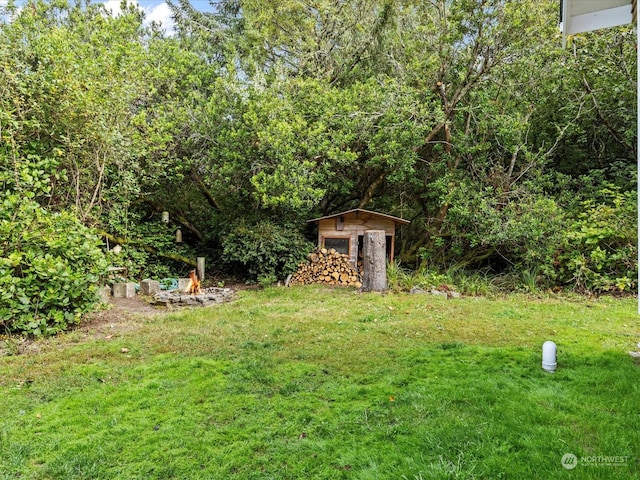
358, 211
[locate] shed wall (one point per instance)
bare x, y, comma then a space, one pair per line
352, 227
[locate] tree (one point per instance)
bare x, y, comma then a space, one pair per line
460, 115
446, 111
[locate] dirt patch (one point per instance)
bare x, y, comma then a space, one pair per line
120, 315
122, 307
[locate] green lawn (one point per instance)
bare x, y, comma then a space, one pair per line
314, 383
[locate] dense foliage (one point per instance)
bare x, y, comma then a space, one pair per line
265, 250
49, 268
507, 152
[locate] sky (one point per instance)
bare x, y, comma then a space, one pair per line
155, 10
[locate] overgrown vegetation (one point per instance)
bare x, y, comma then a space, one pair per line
50, 263
265, 250
324, 383
49, 268
509, 154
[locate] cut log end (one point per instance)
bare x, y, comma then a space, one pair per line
328, 267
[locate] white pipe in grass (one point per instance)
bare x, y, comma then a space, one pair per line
549, 362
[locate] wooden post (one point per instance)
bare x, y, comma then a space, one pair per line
200, 268
375, 261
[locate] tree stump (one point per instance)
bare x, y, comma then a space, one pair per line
375, 261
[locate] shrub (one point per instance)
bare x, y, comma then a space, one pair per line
599, 251
486, 228
266, 251
49, 267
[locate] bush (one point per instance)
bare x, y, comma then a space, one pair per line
599, 251
266, 251
49, 268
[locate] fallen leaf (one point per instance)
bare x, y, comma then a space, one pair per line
124, 350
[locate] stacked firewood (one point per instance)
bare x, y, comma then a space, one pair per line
328, 267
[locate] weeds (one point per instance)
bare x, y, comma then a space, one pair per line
455, 278
12, 344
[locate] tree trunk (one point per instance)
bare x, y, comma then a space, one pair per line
204, 190
375, 261
364, 201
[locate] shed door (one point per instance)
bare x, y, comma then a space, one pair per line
389, 246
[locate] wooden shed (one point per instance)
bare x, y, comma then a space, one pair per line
344, 231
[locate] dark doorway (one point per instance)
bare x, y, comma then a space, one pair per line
389, 244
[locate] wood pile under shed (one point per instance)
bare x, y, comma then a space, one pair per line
328, 267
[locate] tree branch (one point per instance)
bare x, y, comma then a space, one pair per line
368, 195
171, 256
204, 190
615, 133
181, 219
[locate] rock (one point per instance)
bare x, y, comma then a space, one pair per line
208, 296
105, 293
124, 290
188, 300
149, 287
417, 291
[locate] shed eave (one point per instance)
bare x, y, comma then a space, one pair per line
579, 16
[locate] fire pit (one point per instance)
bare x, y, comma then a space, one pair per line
205, 297
193, 295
